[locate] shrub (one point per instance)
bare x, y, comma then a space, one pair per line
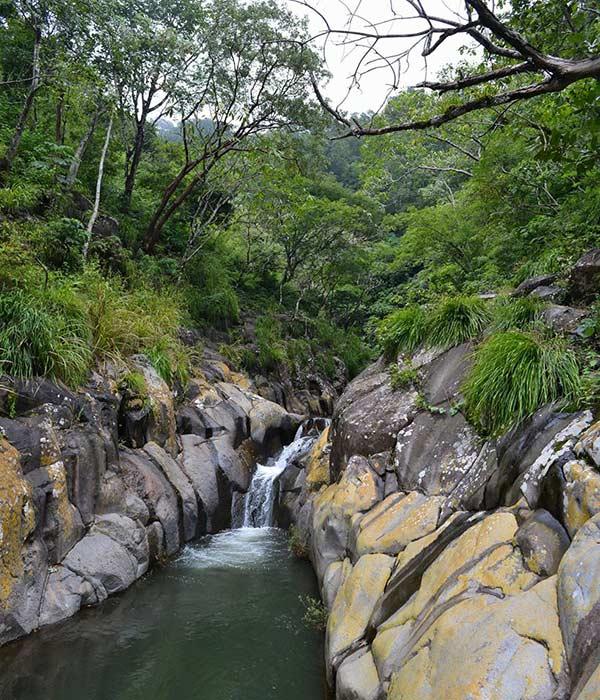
515, 314
315, 612
516, 373
296, 543
457, 319
403, 378
271, 350
403, 330
61, 244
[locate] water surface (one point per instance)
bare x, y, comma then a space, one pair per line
221, 622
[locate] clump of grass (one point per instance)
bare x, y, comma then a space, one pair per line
514, 374
269, 338
39, 339
404, 330
315, 614
457, 319
516, 314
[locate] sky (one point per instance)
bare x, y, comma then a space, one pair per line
341, 61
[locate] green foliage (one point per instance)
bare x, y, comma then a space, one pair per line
269, 339
38, 337
516, 373
296, 543
135, 383
403, 378
61, 244
509, 313
315, 615
457, 319
403, 331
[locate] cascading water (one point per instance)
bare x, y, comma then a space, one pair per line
259, 501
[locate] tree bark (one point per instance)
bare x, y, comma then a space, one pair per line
134, 163
94, 216
6, 163
79, 152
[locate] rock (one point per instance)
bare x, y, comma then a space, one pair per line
357, 678
191, 522
156, 542
156, 421
543, 541
589, 444
334, 577
395, 522
532, 283
104, 563
35, 438
368, 416
129, 534
445, 374
317, 468
581, 494
579, 596
591, 689
353, 606
65, 593
85, 460
358, 491
435, 453
547, 292
271, 426
144, 478
563, 319
584, 281
22, 396
486, 648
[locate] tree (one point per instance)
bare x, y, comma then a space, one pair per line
508, 54
250, 77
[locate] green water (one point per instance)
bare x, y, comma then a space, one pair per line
221, 622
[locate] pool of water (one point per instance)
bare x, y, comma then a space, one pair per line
221, 622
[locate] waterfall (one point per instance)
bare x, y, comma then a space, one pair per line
259, 501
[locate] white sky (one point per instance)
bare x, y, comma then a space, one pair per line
341, 62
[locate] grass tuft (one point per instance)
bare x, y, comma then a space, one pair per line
457, 319
514, 374
516, 314
402, 331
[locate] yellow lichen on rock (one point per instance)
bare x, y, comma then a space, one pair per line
581, 496
17, 519
317, 469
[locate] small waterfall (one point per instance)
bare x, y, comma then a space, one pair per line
259, 501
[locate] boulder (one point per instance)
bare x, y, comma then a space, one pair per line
396, 522
317, 468
334, 577
271, 426
357, 678
368, 416
358, 490
157, 552
487, 648
563, 319
129, 534
190, 521
64, 594
532, 283
584, 280
353, 607
589, 444
581, 494
579, 597
144, 478
445, 374
543, 542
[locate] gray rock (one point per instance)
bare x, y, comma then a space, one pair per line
357, 678
368, 416
65, 593
584, 281
156, 542
532, 283
547, 293
200, 462
145, 479
543, 542
85, 460
563, 319
188, 506
446, 373
579, 597
129, 534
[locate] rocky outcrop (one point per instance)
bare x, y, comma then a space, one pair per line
453, 566
98, 485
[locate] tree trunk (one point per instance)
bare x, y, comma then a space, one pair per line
13, 147
134, 163
94, 215
83, 144
59, 132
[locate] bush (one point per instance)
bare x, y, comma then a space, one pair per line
296, 543
516, 373
404, 330
37, 339
61, 244
271, 350
403, 378
315, 614
515, 314
457, 319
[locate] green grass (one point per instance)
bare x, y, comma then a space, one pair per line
516, 314
403, 378
457, 319
514, 374
403, 330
